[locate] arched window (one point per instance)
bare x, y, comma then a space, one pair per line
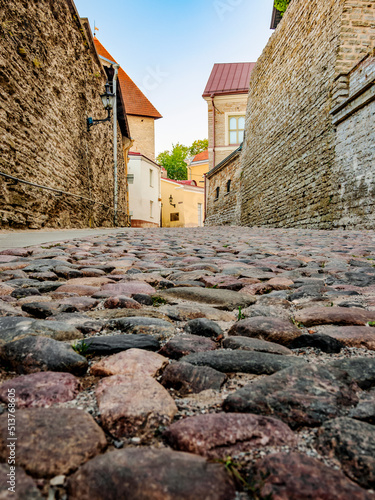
228, 185
217, 193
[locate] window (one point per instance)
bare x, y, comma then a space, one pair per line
217, 191
236, 129
151, 178
151, 209
175, 217
228, 185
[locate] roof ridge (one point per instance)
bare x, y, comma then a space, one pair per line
136, 103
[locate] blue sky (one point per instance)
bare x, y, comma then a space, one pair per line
169, 47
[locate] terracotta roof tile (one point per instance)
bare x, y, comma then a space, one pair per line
103, 51
201, 156
229, 78
136, 103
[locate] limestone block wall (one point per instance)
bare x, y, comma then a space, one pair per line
288, 162
50, 81
354, 166
224, 210
357, 33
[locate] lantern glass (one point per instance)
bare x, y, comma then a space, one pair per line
105, 101
108, 98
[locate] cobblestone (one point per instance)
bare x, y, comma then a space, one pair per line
302, 275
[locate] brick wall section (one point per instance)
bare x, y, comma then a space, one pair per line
50, 81
225, 105
226, 209
142, 131
289, 155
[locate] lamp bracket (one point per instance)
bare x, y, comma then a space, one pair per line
91, 122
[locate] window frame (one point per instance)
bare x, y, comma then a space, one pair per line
237, 117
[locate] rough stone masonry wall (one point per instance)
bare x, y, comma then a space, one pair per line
50, 81
289, 154
226, 209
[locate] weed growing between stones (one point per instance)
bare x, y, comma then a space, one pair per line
297, 323
158, 301
252, 486
81, 348
240, 314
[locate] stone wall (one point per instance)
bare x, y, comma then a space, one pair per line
50, 81
225, 209
357, 33
354, 166
289, 157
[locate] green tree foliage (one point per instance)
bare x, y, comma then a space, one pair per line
175, 161
198, 146
281, 5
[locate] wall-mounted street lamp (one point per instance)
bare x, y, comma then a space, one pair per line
171, 201
108, 100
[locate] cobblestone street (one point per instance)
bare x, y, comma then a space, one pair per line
138, 362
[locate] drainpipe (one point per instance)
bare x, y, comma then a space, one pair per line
126, 150
213, 128
115, 194
205, 199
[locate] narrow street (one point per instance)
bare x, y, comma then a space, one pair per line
250, 349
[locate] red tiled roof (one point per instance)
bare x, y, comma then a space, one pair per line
230, 78
103, 51
189, 183
201, 156
136, 103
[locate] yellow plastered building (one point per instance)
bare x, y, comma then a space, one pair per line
182, 203
198, 167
